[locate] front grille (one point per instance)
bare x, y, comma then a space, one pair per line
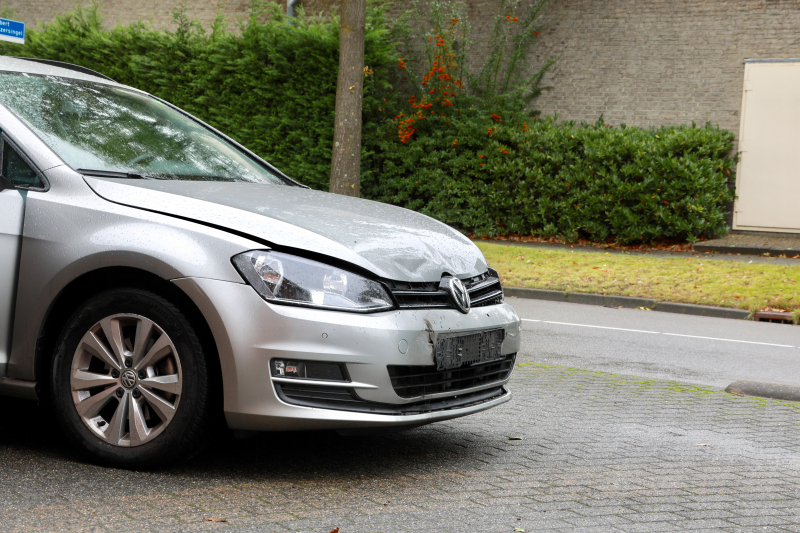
484, 290
343, 399
413, 381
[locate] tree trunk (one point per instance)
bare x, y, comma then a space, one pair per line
346, 160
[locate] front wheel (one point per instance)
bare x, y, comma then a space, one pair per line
130, 383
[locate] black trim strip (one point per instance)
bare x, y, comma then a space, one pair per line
65, 66
110, 174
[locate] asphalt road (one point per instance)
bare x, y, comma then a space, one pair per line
707, 351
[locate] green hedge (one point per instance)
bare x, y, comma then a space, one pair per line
550, 179
270, 85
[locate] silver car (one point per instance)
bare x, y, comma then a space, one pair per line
157, 278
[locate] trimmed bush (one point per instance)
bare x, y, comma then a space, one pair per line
467, 149
549, 179
477, 159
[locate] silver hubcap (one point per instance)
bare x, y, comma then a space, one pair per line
126, 380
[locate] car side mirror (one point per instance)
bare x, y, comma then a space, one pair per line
5, 184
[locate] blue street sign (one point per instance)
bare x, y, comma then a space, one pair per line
12, 31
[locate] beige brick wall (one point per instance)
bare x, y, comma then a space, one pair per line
642, 62
157, 12
652, 62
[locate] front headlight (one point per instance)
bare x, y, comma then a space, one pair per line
289, 279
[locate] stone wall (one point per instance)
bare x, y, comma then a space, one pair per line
652, 62
641, 62
157, 12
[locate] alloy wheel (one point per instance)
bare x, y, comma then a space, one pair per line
126, 380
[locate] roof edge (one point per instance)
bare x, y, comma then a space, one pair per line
66, 66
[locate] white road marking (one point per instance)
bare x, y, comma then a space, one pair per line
659, 333
600, 327
729, 340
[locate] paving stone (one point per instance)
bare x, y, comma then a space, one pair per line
646, 527
705, 523
653, 517
657, 508
776, 245
708, 513
753, 521
600, 511
577, 468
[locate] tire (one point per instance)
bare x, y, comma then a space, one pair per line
141, 400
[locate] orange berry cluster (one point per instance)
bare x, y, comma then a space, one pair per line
441, 83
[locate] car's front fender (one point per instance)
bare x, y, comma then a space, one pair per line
69, 231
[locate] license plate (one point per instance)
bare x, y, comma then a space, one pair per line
470, 348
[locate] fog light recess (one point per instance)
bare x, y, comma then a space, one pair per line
286, 368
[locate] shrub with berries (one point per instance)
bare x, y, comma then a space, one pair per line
471, 152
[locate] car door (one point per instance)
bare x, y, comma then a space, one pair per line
16, 176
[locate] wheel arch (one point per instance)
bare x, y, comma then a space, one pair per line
96, 281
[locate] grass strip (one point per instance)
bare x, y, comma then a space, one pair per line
686, 280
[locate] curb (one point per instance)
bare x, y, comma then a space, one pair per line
773, 391
745, 250
702, 310
626, 302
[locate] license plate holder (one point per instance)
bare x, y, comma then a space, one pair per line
468, 349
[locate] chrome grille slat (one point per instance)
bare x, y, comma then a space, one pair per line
310, 396
481, 299
484, 289
427, 306
417, 293
483, 285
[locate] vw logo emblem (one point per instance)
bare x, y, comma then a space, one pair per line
128, 379
459, 294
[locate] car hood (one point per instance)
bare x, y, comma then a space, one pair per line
389, 241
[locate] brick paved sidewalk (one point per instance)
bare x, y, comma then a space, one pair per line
774, 245
598, 452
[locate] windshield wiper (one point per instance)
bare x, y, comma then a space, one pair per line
109, 174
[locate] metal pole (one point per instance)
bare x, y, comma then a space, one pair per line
290, 8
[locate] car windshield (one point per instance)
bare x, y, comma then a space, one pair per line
108, 129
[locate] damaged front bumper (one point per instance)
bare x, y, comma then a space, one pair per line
391, 373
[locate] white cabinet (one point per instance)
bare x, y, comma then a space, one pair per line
768, 176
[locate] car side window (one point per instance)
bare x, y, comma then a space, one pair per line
17, 171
